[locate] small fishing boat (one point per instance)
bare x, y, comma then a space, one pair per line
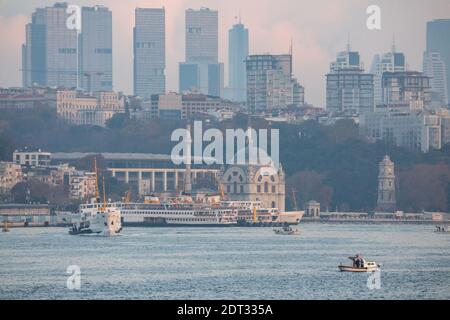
442, 229
359, 264
287, 230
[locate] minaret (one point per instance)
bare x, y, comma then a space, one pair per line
386, 185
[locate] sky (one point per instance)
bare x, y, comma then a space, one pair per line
319, 29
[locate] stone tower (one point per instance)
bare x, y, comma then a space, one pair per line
386, 185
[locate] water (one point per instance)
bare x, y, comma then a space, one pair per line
226, 263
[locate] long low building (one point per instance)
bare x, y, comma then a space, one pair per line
149, 172
20, 215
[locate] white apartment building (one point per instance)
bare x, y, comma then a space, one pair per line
31, 157
434, 68
82, 185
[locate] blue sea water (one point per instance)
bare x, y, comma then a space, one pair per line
226, 263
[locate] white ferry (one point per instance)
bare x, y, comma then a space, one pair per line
251, 212
97, 218
178, 211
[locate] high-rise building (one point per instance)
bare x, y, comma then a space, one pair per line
388, 62
438, 35
349, 90
408, 89
95, 49
202, 35
50, 54
386, 185
237, 53
270, 84
201, 72
434, 68
149, 52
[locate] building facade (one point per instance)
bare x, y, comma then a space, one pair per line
434, 69
438, 33
10, 175
270, 85
386, 185
95, 50
78, 108
417, 131
31, 157
237, 54
50, 52
410, 88
201, 72
388, 62
254, 183
82, 185
149, 52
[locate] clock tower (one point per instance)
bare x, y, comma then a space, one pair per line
386, 185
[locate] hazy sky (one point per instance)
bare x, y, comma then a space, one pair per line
319, 29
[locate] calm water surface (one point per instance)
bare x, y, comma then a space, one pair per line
226, 263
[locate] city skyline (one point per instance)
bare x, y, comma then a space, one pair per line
313, 45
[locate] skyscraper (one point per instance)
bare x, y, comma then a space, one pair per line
349, 89
434, 68
237, 53
390, 61
202, 35
149, 52
438, 35
50, 55
201, 71
95, 49
270, 84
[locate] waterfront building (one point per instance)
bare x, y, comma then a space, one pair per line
392, 61
10, 175
23, 215
346, 60
434, 69
438, 33
149, 45
270, 85
79, 108
50, 52
201, 72
312, 209
31, 157
386, 185
237, 53
95, 50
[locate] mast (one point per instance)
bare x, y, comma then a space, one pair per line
104, 194
96, 181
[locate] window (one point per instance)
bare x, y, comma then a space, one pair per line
266, 187
258, 188
273, 189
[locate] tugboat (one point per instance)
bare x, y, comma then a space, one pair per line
97, 218
359, 264
287, 230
